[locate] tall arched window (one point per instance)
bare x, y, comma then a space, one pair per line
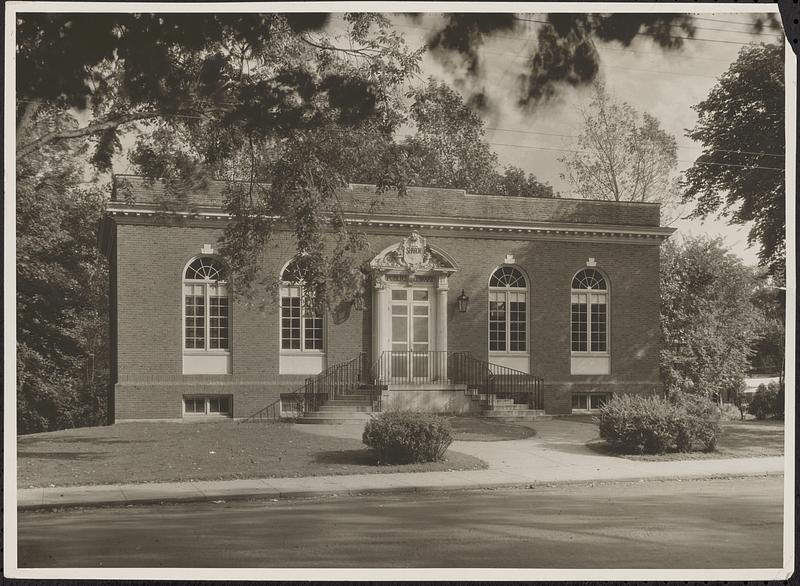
589, 312
508, 311
301, 326
205, 306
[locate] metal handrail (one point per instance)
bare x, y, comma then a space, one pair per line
410, 367
497, 381
338, 380
326, 385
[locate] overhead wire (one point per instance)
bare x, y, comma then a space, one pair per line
657, 34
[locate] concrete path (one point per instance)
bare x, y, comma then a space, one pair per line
557, 455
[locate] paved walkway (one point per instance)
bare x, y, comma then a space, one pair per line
558, 454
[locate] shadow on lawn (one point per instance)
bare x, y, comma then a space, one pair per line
360, 457
86, 456
29, 441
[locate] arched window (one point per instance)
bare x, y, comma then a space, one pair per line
205, 306
508, 311
301, 326
589, 312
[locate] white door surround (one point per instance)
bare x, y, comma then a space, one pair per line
410, 291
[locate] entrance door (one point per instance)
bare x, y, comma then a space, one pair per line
410, 358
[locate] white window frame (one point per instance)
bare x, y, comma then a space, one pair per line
506, 291
591, 362
207, 406
287, 291
606, 293
205, 284
295, 290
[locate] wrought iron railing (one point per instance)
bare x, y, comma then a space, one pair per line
351, 377
358, 377
420, 367
410, 367
496, 381
347, 378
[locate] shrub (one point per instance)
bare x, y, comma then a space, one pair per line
700, 424
404, 437
653, 425
767, 401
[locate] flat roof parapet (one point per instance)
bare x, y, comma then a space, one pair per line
431, 202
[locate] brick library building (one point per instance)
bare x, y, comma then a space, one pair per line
497, 306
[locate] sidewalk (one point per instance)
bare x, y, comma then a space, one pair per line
557, 455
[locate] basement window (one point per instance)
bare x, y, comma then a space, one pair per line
207, 406
589, 401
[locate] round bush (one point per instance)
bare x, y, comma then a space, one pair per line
653, 425
767, 401
405, 437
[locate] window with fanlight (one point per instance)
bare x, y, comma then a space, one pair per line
206, 318
301, 325
590, 323
206, 310
508, 291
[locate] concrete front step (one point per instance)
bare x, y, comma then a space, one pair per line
334, 418
365, 408
346, 399
517, 414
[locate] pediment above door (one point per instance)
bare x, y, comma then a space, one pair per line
413, 254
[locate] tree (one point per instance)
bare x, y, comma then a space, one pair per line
564, 54
708, 321
204, 93
61, 301
740, 173
449, 149
770, 348
515, 182
621, 155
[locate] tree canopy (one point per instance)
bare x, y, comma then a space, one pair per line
449, 148
740, 172
709, 323
621, 155
61, 299
565, 53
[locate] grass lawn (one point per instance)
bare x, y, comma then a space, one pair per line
161, 452
739, 439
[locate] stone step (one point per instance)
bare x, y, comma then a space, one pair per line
341, 403
509, 407
365, 408
518, 414
359, 397
334, 418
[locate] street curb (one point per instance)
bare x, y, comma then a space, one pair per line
393, 490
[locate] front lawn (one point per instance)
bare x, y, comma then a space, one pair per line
162, 452
739, 439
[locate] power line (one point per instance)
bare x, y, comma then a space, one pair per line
657, 35
679, 160
576, 136
725, 21
498, 36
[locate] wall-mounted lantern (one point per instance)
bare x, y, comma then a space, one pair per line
463, 302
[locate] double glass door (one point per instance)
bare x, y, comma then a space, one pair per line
409, 360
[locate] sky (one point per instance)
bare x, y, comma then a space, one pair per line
664, 83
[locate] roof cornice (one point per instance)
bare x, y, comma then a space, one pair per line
475, 227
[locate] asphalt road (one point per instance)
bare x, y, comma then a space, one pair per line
734, 523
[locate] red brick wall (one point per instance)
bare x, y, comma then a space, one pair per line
150, 261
